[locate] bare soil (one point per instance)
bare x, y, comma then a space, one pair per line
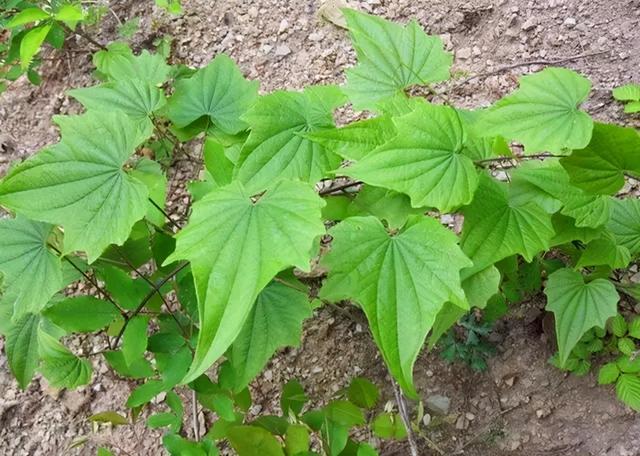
521, 405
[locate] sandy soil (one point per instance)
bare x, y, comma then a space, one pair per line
521, 405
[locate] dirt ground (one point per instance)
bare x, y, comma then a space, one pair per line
521, 405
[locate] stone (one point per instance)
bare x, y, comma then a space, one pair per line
283, 50
426, 419
316, 36
529, 24
570, 22
462, 423
284, 25
438, 404
470, 416
464, 53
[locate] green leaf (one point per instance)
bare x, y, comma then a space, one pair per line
30, 44
625, 224
82, 314
618, 325
494, 228
144, 393
388, 205
109, 417
626, 346
275, 321
218, 91
81, 184
104, 452
389, 426
567, 231
600, 167
151, 174
578, 306
632, 107
604, 252
26, 16
179, 446
122, 287
161, 420
293, 398
122, 65
137, 99
69, 14
363, 393
236, 244
253, 441
628, 365
634, 328
139, 368
480, 286
543, 113
424, 160
446, 318
391, 58
627, 92
395, 277
134, 339
21, 347
547, 183
277, 147
344, 413
628, 390
296, 439
364, 449
26, 260
59, 366
357, 139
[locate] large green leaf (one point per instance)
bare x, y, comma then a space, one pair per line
424, 160
275, 321
218, 91
82, 314
495, 228
543, 113
137, 99
391, 58
578, 306
625, 223
81, 183
32, 272
236, 244
21, 347
547, 183
399, 279
277, 147
600, 167
119, 64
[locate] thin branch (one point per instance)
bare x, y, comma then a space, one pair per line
291, 285
338, 188
82, 34
402, 407
163, 212
519, 157
523, 64
196, 425
146, 299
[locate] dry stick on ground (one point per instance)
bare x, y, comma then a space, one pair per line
337, 188
402, 408
196, 424
522, 64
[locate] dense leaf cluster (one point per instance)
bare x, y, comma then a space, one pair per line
533, 180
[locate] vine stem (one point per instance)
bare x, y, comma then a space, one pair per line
404, 414
146, 299
82, 34
163, 212
338, 188
520, 157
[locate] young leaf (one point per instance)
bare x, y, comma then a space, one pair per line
600, 167
296, 440
59, 366
628, 390
634, 328
218, 91
137, 369
275, 321
122, 287
625, 223
81, 184
363, 393
81, 314
627, 92
543, 113
179, 446
277, 147
424, 160
109, 417
26, 16
395, 277
293, 398
618, 325
144, 393
626, 346
236, 244
26, 260
391, 58
388, 205
134, 339
578, 306
389, 426
21, 347
253, 441
494, 228
30, 44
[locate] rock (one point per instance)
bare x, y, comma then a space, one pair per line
529, 24
426, 419
252, 12
283, 50
316, 36
470, 416
462, 423
570, 22
284, 25
438, 404
464, 53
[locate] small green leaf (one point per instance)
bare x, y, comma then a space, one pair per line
628, 365
139, 368
26, 16
293, 398
389, 426
634, 328
391, 58
578, 306
218, 91
627, 92
69, 14
363, 393
104, 452
134, 339
424, 160
144, 393
296, 439
626, 346
82, 314
109, 417
618, 325
628, 390
161, 420
604, 252
30, 44
253, 441
21, 347
179, 446
608, 374
344, 413
59, 366
124, 66
543, 113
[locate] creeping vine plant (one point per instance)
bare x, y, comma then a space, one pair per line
237, 280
